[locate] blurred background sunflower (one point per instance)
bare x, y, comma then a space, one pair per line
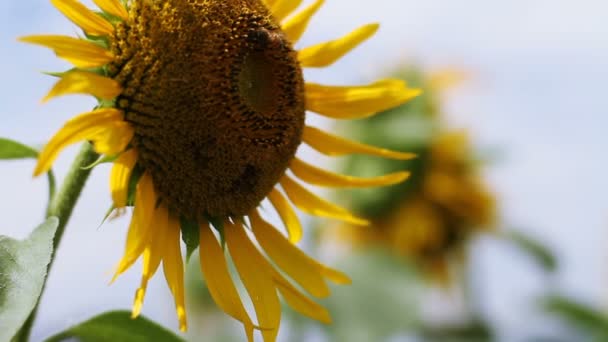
445, 203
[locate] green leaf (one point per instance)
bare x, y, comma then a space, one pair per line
534, 248
10, 149
23, 268
190, 236
578, 315
117, 326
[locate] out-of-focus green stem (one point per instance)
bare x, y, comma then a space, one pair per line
61, 206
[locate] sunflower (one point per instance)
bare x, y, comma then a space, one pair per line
202, 107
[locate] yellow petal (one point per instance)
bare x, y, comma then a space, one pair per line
313, 175
283, 8
219, 282
104, 127
288, 215
295, 26
114, 140
299, 302
83, 82
301, 268
113, 7
356, 102
140, 230
90, 22
336, 276
137, 238
325, 54
120, 176
82, 53
332, 145
173, 267
314, 205
255, 272
153, 254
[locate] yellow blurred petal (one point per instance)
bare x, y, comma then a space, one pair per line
120, 176
288, 215
313, 175
104, 125
153, 254
299, 302
80, 15
332, 145
446, 78
82, 53
140, 230
114, 7
219, 282
314, 205
301, 268
295, 26
83, 82
140, 295
325, 54
173, 267
255, 272
356, 102
283, 8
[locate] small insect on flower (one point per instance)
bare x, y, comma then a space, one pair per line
203, 104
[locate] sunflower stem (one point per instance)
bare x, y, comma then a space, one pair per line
61, 206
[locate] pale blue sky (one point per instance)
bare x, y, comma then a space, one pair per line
537, 91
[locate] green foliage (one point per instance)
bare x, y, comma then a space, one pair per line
190, 236
535, 249
116, 326
23, 269
382, 300
10, 149
584, 318
475, 331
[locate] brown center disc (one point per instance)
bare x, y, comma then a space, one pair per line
215, 94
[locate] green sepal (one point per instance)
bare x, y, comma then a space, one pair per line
59, 74
116, 326
102, 41
136, 175
218, 225
107, 215
10, 149
23, 269
190, 236
101, 160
